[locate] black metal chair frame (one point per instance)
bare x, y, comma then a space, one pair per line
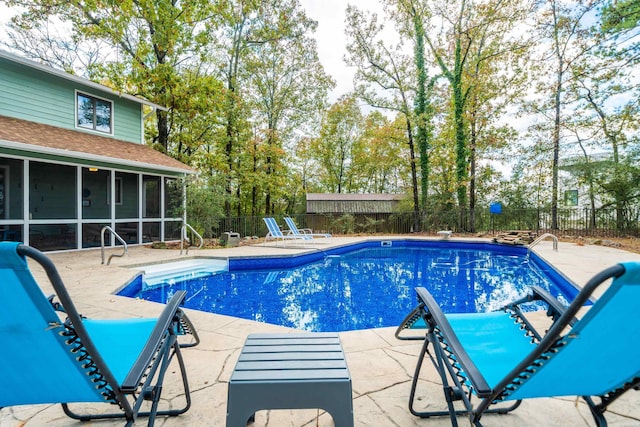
454, 366
144, 381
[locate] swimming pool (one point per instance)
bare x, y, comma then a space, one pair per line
361, 286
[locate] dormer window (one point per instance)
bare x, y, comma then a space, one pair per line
94, 113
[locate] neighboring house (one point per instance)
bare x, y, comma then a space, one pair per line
336, 204
73, 160
574, 190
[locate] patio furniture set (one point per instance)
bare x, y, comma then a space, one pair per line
52, 354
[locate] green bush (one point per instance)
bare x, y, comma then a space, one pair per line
344, 224
204, 209
371, 225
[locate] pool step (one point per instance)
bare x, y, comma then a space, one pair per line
159, 274
168, 279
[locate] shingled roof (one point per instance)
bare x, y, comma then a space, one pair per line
41, 138
376, 197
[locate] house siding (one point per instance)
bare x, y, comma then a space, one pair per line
31, 95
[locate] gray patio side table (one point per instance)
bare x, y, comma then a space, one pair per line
290, 371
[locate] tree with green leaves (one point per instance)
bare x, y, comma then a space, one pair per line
451, 58
384, 80
236, 27
264, 54
408, 15
620, 16
149, 46
287, 85
381, 157
606, 111
495, 81
471, 44
340, 134
564, 28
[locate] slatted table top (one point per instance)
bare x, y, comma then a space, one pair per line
291, 358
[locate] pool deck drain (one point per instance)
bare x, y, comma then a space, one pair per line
381, 366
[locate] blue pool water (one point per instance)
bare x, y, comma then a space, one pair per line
362, 286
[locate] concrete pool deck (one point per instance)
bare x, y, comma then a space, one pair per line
381, 366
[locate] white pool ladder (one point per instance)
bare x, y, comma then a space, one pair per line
541, 238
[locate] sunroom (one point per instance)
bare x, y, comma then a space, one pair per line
60, 188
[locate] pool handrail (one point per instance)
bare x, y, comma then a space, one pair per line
183, 236
541, 238
117, 236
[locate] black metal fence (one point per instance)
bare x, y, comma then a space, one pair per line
572, 222
605, 223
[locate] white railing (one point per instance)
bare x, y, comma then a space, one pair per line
117, 236
183, 236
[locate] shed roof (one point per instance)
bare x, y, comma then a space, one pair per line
50, 140
353, 197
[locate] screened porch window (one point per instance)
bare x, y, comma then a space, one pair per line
94, 113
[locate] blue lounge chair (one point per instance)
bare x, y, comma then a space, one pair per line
52, 354
293, 229
500, 356
276, 234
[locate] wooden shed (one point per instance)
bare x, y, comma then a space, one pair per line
326, 203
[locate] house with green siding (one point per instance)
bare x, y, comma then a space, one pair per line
73, 160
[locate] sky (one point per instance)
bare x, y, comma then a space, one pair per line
4, 18
330, 15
